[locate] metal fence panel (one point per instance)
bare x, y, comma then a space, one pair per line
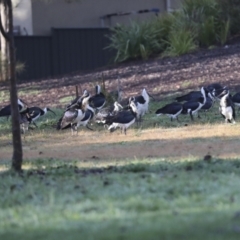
79, 49
64, 52
35, 53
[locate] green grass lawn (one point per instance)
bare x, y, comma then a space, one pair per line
137, 199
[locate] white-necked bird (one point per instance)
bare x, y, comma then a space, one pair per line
123, 119
193, 106
226, 107
98, 100
6, 111
37, 112
141, 103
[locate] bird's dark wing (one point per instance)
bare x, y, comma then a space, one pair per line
96, 101
140, 99
35, 111
189, 96
121, 117
87, 115
171, 108
236, 97
189, 105
5, 111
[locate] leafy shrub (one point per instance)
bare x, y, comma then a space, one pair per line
198, 10
224, 32
207, 32
164, 23
134, 41
198, 23
230, 9
181, 41
204, 16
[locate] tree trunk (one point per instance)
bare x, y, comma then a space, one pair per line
3, 41
11, 66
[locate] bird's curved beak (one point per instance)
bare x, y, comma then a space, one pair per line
51, 111
24, 111
151, 96
26, 105
224, 91
120, 106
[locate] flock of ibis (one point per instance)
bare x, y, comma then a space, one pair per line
194, 101
88, 108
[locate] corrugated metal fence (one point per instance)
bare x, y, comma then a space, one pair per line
65, 51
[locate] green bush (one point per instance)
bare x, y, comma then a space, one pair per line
206, 20
224, 32
164, 23
230, 9
207, 34
198, 10
139, 40
181, 41
198, 23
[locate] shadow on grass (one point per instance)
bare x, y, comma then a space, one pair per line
47, 167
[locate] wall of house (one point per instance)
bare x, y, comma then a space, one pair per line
173, 4
87, 13
22, 17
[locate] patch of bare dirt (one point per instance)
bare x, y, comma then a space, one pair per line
218, 141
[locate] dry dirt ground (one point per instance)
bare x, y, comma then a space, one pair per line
191, 142
161, 77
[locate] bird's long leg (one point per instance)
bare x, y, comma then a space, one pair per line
191, 115
136, 120
151, 96
139, 121
72, 126
35, 124
220, 110
125, 131
225, 120
76, 129
23, 130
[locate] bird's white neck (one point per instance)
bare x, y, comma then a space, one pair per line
204, 95
20, 103
98, 89
145, 95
